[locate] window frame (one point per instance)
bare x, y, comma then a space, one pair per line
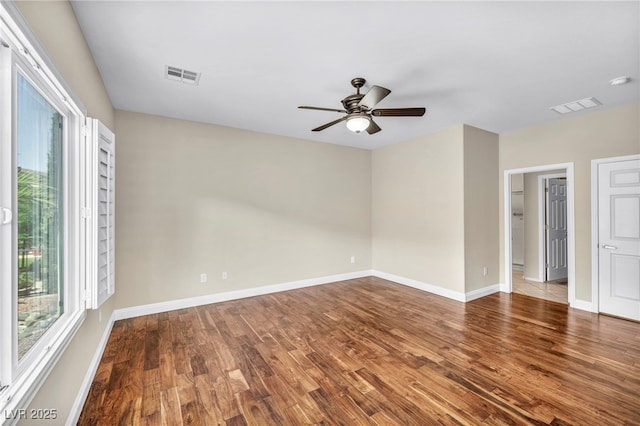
69, 205
20, 379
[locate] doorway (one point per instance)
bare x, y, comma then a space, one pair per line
526, 254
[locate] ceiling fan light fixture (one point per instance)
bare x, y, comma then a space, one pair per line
358, 123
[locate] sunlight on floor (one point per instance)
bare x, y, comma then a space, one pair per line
554, 291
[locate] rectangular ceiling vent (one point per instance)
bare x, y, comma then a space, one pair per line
185, 76
576, 105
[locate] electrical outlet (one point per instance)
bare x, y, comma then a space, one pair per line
99, 315
485, 271
203, 278
353, 259
224, 275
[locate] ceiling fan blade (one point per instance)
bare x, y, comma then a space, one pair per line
322, 109
373, 96
373, 128
324, 126
398, 112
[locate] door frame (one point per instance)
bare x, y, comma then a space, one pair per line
521, 193
542, 213
571, 242
595, 260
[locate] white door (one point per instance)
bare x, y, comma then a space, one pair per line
619, 238
557, 229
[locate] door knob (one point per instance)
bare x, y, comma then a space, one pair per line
608, 247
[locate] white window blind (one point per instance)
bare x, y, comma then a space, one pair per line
100, 213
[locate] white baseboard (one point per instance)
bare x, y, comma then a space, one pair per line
76, 408
430, 288
583, 305
440, 291
481, 292
535, 280
171, 305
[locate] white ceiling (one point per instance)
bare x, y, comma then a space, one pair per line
494, 65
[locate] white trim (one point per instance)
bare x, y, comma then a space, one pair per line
595, 238
430, 288
7, 256
595, 260
440, 291
78, 404
154, 308
571, 230
583, 305
20, 393
506, 213
571, 239
535, 280
482, 292
171, 305
542, 213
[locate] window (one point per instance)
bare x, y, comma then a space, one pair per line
40, 215
56, 215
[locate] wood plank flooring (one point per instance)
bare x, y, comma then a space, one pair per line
369, 352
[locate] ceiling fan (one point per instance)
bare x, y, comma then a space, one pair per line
358, 109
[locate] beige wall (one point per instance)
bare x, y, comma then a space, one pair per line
481, 231
418, 205
195, 198
603, 134
57, 30
435, 209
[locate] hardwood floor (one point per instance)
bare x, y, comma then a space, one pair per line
369, 351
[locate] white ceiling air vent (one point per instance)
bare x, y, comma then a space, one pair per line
576, 105
185, 76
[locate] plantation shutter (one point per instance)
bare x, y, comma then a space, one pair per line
101, 266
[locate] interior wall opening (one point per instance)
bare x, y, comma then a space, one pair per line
539, 238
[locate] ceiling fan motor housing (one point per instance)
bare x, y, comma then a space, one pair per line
350, 103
